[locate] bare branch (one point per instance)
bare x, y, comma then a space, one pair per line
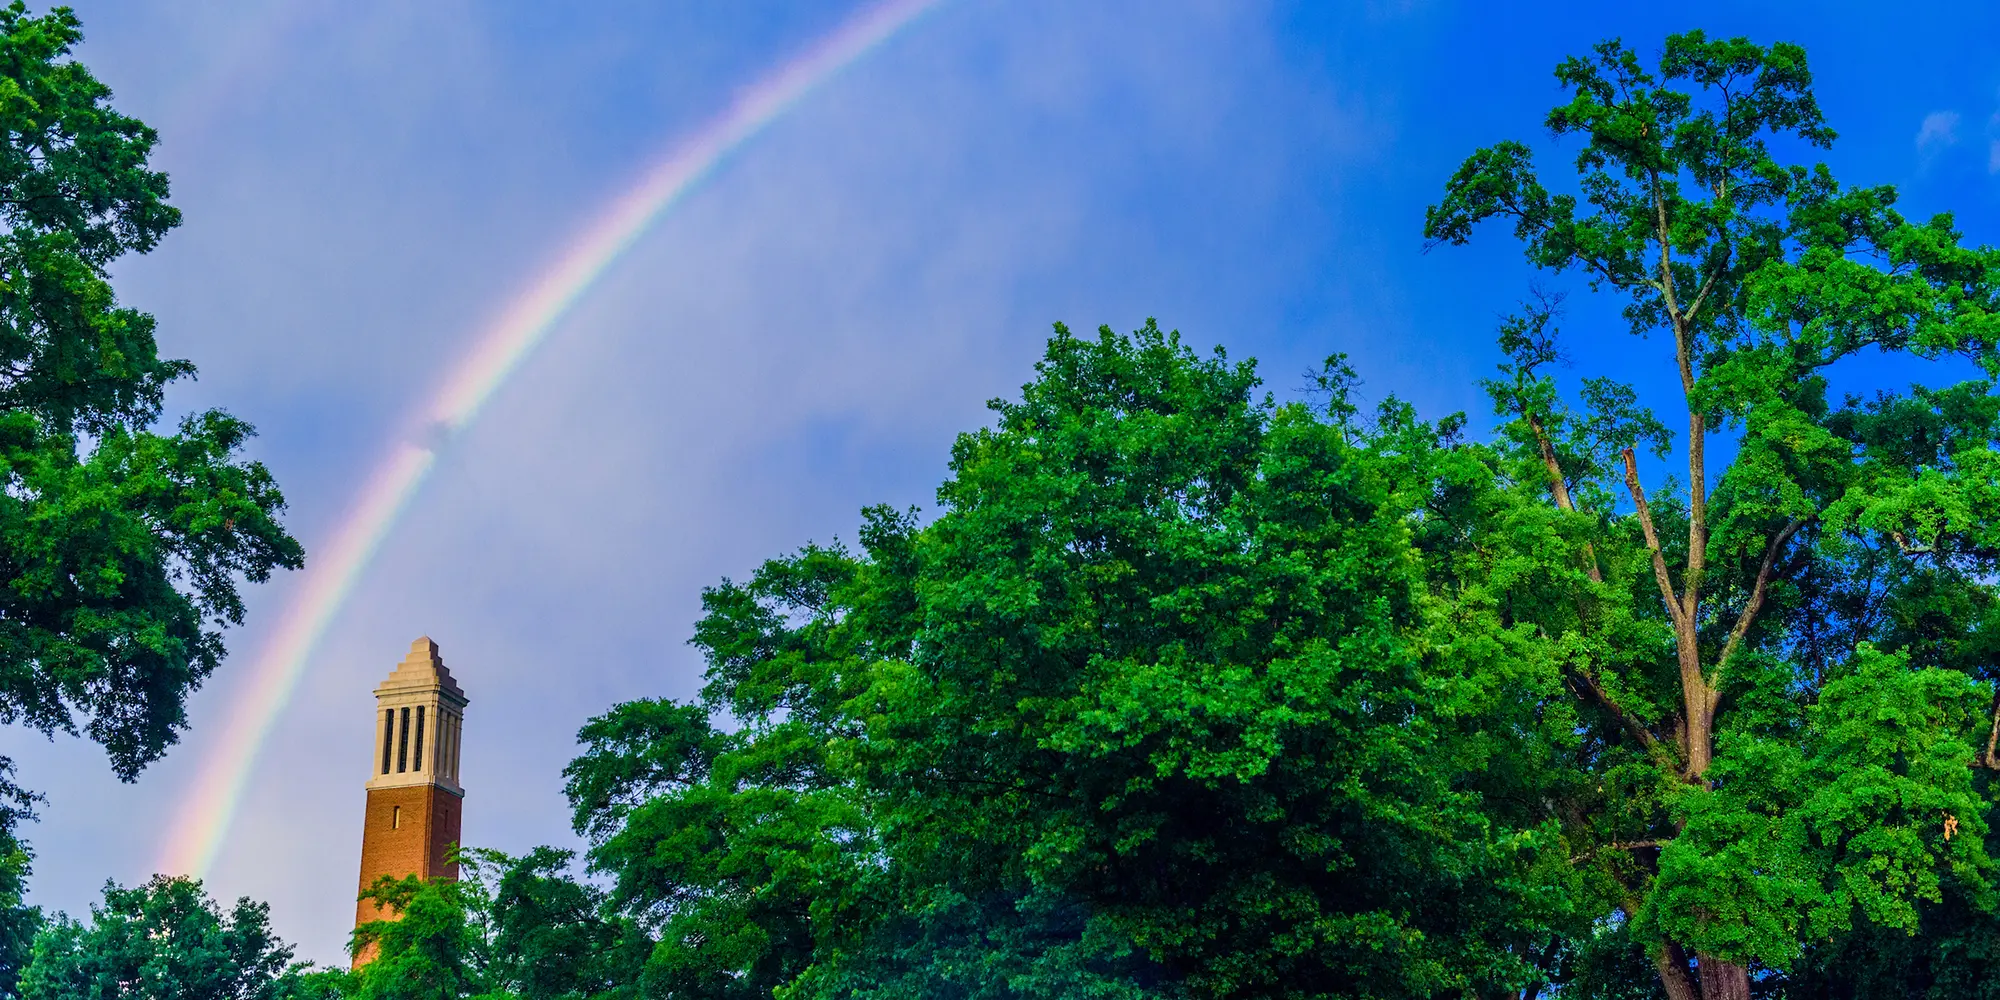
1618, 845
1701, 295
1652, 537
1629, 722
1756, 602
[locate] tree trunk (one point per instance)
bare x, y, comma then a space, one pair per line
1722, 980
1673, 965
1697, 701
1710, 978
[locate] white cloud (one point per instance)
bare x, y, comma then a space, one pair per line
1940, 129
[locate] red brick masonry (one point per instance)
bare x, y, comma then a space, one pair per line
420, 844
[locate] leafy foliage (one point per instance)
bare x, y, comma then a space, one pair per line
19, 921
1790, 722
120, 548
166, 940
1146, 711
1184, 691
511, 927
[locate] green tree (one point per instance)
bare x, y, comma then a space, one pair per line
165, 940
743, 852
551, 937
18, 921
1166, 667
1783, 663
434, 948
510, 927
1146, 711
120, 548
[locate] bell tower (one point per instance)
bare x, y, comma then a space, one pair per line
412, 819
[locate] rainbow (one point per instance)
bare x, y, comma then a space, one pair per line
217, 790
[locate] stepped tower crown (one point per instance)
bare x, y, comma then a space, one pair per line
419, 711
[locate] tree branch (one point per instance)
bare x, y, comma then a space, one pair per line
1635, 845
1557, 484
1617, 845
1631, 724
1543, 229
1756, 602
1675, 977
1652, 537
1697, 560
1702, 295
1545, 964
1560, 488
1903, 545
1666, 284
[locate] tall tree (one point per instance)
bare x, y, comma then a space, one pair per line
120, 548
1787, 654
1146, 711
1165, 669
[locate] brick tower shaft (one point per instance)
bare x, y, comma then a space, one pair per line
411, 823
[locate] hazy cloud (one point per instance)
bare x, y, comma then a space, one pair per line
1940, 129
1993, 149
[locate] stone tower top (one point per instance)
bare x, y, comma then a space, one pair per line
419, 712
422, 670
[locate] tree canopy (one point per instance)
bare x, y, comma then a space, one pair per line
165, 940
1062, 731
121, 547
1797, 767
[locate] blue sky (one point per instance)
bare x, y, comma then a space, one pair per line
366, 183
